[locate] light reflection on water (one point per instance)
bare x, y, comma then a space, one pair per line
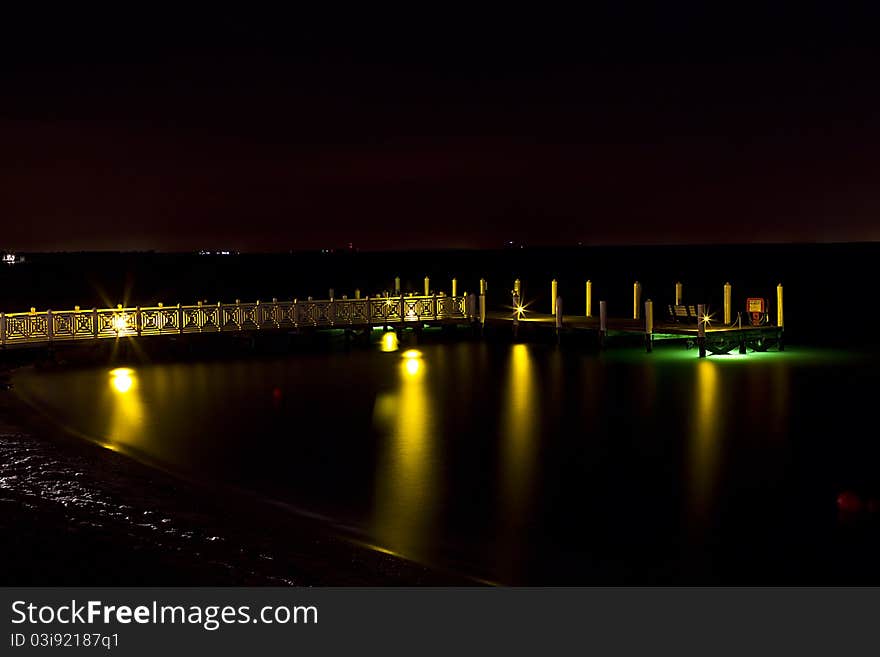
517, 463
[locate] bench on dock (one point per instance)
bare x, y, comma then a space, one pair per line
683, 314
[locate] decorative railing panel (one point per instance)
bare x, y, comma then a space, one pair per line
51, 326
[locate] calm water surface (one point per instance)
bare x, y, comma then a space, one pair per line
523, 463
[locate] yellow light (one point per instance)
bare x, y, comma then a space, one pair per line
412, 353
122, 379
389, 341
520, 312
119, 322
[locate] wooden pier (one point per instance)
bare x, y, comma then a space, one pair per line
400, 311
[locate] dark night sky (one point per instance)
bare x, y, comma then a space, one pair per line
417, 130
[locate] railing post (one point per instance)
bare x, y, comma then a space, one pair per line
2, 329
369, 313
727, 297
402, 306
649, 325
138, 325
50, 330
95, 323
179, 318
436, 309
258, 312
701, 329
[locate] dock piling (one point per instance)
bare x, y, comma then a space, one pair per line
589, 307
455, 287
396, 285
727, 296
427, 286
678, 293
637, 295
779, 319
701, 329
554, 292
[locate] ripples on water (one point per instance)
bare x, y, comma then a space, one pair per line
516, 463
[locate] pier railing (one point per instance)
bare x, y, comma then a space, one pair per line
78, 324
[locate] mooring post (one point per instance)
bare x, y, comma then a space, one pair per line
357, 293
701, 329
427, 286
554, 292
483, 286
396, 285
727, 296
649, 325
637, 295
455, 287
603, 323
589, 298
483, 309
678, 293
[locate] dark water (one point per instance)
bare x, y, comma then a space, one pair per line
525, 463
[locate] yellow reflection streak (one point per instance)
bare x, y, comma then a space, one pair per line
389, 341
705, 447
126, 413
519, 445
406, 485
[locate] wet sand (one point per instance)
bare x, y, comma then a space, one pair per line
73, 513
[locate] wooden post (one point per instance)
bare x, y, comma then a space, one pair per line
483, 286
483, 309
455, 287
701, 329
427, 286
589, 298
603, 322
727, 297
637, 295
649, 325
678, 293
554, 292
397, 285
779, 319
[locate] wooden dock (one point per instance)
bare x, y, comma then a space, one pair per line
398, 311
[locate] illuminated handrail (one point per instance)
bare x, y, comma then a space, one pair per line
78, 324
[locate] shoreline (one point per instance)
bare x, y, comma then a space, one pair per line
76, 513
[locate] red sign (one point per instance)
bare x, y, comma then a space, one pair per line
756, 308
